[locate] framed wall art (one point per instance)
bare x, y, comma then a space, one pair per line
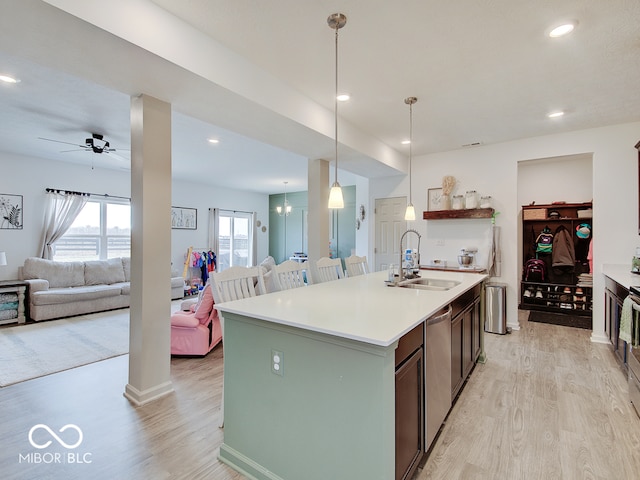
184, 218
434, 199
10, 212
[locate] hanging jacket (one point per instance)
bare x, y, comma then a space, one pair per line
563, 253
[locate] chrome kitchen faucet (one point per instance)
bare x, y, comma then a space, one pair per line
401, 268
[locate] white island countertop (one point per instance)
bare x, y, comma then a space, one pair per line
361, 308
621, 274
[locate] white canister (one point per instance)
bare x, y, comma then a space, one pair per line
485, 201
457, 202
471, 199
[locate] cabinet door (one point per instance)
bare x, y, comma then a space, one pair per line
609, 314
456, 354
619, 346
476, 330
409, 415
467, 343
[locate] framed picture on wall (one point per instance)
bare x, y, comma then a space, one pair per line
434, 199
10, 212
184, 218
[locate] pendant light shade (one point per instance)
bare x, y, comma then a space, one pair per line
336, 200
285, 208
410, 213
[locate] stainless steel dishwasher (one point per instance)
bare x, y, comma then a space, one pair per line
437, 372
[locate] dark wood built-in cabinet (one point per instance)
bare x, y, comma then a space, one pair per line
465, 337
409, 403
562, 290
614, 295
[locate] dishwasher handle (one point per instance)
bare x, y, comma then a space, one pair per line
441, 316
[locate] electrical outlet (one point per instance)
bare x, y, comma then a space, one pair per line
440, 242
277, 362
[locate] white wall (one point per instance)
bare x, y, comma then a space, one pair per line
493, 170
30, 177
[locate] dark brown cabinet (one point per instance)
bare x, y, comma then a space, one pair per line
465, 337
409, 403
456, 354
614, 295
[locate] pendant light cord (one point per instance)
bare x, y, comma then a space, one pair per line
410, 149
335, 110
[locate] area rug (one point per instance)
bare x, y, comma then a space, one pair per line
566, 320
33, 350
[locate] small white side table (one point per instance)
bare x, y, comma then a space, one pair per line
18, 287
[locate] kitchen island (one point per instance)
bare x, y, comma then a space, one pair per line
310, 375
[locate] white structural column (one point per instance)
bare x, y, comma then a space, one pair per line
318, 198
150, 328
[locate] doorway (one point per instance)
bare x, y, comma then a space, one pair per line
389, 226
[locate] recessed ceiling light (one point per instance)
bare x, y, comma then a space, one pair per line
343, 97
562, 30
8, 79
555, 114
406, 142
214, 140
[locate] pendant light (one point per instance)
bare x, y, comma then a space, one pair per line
336, 200
285, 208
410, 213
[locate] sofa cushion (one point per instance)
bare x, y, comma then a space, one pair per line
126, 265
100, 272
59, 274
74, 294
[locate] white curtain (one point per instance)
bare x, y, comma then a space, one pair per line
61, 210
214, 217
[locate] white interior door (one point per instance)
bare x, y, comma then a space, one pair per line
390, 225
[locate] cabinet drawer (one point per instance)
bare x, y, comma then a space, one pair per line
615, 288
409, 343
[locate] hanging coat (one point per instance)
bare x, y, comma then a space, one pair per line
563, 255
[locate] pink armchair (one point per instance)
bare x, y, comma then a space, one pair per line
197, 331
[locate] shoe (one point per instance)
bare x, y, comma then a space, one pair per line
539, 293
527, 293
567, 290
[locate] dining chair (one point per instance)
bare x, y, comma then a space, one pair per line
355, 265
235, 283
328, 269
291, 274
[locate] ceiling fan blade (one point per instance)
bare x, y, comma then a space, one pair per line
119, 157
60, 141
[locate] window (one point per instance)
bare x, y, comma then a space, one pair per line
235, 239
102, 230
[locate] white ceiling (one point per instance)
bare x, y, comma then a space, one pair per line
483, 71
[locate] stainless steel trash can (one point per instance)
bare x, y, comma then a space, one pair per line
495, 318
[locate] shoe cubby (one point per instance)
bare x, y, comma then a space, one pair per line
573, 299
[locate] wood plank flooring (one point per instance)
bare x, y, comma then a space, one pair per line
548, 404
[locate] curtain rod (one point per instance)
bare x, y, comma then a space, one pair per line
71, 192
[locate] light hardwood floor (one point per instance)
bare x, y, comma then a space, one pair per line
548, 404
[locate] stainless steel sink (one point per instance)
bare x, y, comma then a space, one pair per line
426, 283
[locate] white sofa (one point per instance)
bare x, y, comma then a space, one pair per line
63, 289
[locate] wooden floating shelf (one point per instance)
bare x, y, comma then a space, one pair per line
465, 213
